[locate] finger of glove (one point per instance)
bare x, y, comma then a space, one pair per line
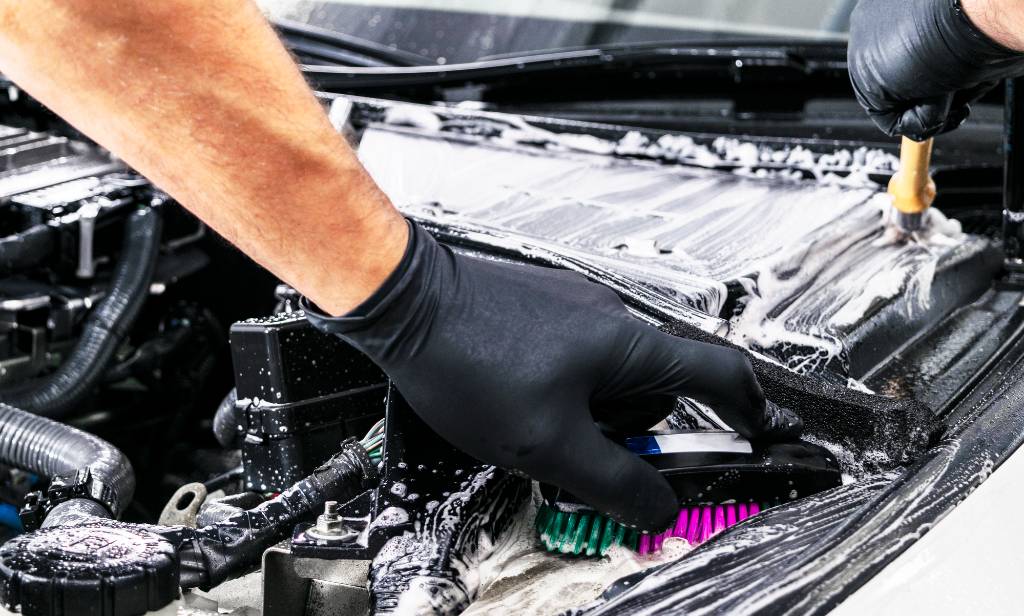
721, 377
632, 414
612, 480
884, 118
925, 119
960, 108
888, 123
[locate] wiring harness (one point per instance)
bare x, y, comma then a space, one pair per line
373, 442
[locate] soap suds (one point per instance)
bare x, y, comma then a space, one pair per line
794, 244
800, 305
520, 578
799, 264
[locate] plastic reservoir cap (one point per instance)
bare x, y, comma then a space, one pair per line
102, 568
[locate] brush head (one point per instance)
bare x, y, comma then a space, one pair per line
911, 188
719, 478
585, 532
909, 222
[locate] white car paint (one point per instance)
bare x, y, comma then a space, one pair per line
970, 563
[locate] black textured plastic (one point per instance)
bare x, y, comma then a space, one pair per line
898, 428
103, 568
282, 359
418, 467
300, 392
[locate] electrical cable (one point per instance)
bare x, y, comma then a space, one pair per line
373, 442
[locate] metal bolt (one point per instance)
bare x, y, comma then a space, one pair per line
330, 525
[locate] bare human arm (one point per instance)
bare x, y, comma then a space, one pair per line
201, 97
1002, 20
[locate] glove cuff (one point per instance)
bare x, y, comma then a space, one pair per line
394, 286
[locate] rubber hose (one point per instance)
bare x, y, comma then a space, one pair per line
220, 509
227, 422
58, 394
26, 249
234, 545
46, 447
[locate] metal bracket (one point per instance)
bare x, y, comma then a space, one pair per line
296, 586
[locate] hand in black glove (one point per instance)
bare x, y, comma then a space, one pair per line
507, 361
917, 65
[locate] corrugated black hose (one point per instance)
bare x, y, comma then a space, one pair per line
48, 448
57, 394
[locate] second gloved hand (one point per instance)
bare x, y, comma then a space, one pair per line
918, 65
507, 362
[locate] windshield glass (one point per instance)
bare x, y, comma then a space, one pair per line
465, 30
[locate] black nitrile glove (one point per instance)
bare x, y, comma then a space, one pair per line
506, 361
918, 65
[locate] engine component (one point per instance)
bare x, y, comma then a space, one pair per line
183, 507
418, 467
216, 509
691, 238
299, 393
26, 249
65, 208
105, 328
228, 422
102, 568
229, 547
436, 506
92, 566
857, 420
31, 161
91, 474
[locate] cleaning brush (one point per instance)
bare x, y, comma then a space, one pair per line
586, 532
912, 188
720, 479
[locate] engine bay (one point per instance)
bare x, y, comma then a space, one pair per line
150, 374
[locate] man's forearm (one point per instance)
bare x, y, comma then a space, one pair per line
202, 98
1002, 20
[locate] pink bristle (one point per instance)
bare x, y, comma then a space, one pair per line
719, 519
691, 531
645, 545
658, 540
705, 525
730, 516
698, 524
680, 529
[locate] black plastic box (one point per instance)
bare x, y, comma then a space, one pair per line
302, 392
